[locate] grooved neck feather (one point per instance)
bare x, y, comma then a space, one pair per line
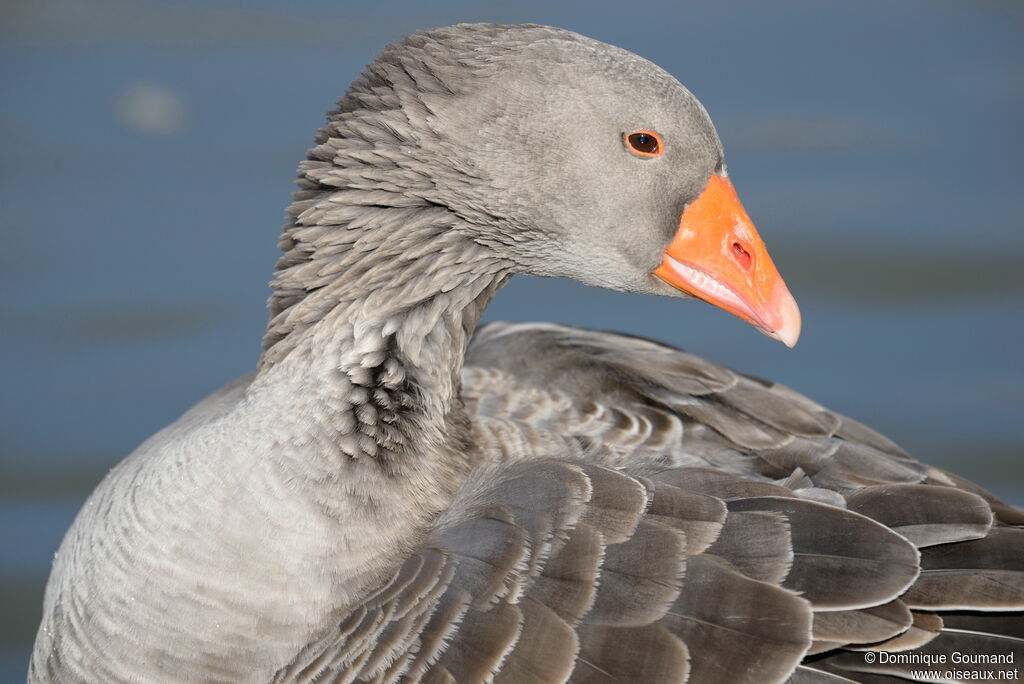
382, 306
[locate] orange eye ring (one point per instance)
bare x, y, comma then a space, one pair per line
645, 143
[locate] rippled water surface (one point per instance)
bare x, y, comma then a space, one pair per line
147, 150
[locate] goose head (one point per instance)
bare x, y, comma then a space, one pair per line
572, 158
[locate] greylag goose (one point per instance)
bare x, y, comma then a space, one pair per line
397, 496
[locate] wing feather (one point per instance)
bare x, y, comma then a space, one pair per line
641, 514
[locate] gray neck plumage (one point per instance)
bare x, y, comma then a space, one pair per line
380, 286
372, 311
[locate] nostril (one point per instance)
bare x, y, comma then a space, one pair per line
742, 255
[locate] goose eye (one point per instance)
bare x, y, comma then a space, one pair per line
645, 143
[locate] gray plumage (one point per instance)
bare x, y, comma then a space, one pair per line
393, 498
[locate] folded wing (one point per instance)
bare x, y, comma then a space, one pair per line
644, 515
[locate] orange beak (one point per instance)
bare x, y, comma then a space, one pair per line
718, 256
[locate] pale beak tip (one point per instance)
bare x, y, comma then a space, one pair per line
789, 332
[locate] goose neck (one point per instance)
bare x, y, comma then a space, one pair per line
373, 336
